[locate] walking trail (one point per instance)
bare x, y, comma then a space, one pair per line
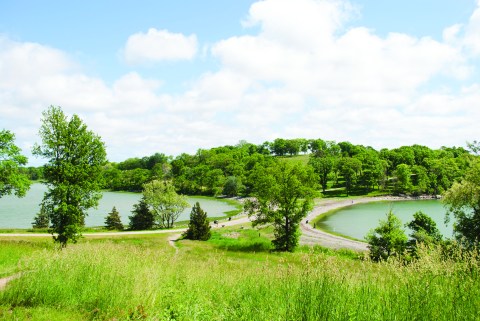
310, 236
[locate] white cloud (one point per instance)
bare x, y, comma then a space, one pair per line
158, 45
302, 75
472, 31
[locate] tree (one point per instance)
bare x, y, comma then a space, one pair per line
474, 147
113, 220
323, 167
41, 220
462, 201
350, 168
283, 195
166, 204
233, 186
199, 226
403, 174
73, 172
142, 218
387, 239
424, 230
11, 179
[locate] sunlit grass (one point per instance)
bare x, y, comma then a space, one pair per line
235, 276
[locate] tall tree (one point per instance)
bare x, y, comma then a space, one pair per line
73, 172
166, 204
463, 201
199, 226
11, 179
323, 166
283, 196
387, 239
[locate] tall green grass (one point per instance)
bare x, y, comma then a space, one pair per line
125, 281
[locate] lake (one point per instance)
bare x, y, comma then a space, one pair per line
19, 212
357, 220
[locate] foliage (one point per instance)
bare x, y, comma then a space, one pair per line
283, 195
388, 239
233, 187
75, 157
424, 231
347, 168
323, 166
463, 202
142, 218
164, 201
113, 220
12, 180
41, 220
199, 225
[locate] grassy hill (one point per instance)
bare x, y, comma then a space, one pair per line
234, 276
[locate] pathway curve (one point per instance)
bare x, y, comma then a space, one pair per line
311, 236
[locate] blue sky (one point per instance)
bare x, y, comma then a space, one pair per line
172, 77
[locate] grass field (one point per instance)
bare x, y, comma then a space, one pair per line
234, 276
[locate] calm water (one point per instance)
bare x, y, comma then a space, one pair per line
357, 220
19, 212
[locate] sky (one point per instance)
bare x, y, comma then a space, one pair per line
175, 76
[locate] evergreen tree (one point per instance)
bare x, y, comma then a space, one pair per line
142, 218
113, 221
199, 226
41, 220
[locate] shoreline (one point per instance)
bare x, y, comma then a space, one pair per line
312, 236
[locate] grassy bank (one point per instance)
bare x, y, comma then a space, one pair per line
233, 276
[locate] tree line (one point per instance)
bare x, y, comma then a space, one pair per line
352, 169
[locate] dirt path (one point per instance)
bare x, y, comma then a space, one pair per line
4, 281
310, 236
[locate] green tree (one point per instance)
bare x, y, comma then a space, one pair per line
424, 230
166, 204
142, 218
11, 178
462, 201
387, 239
283, 196
233, 186
350, 168
323, 166
403, 175
199, 225
113, 220
41, 220
73, 172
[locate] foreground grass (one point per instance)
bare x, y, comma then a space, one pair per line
234, 276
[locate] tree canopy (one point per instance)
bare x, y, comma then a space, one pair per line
12, 180
283, 195
164, 201
73, 172
462, 201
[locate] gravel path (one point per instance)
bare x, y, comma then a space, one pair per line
311, 236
